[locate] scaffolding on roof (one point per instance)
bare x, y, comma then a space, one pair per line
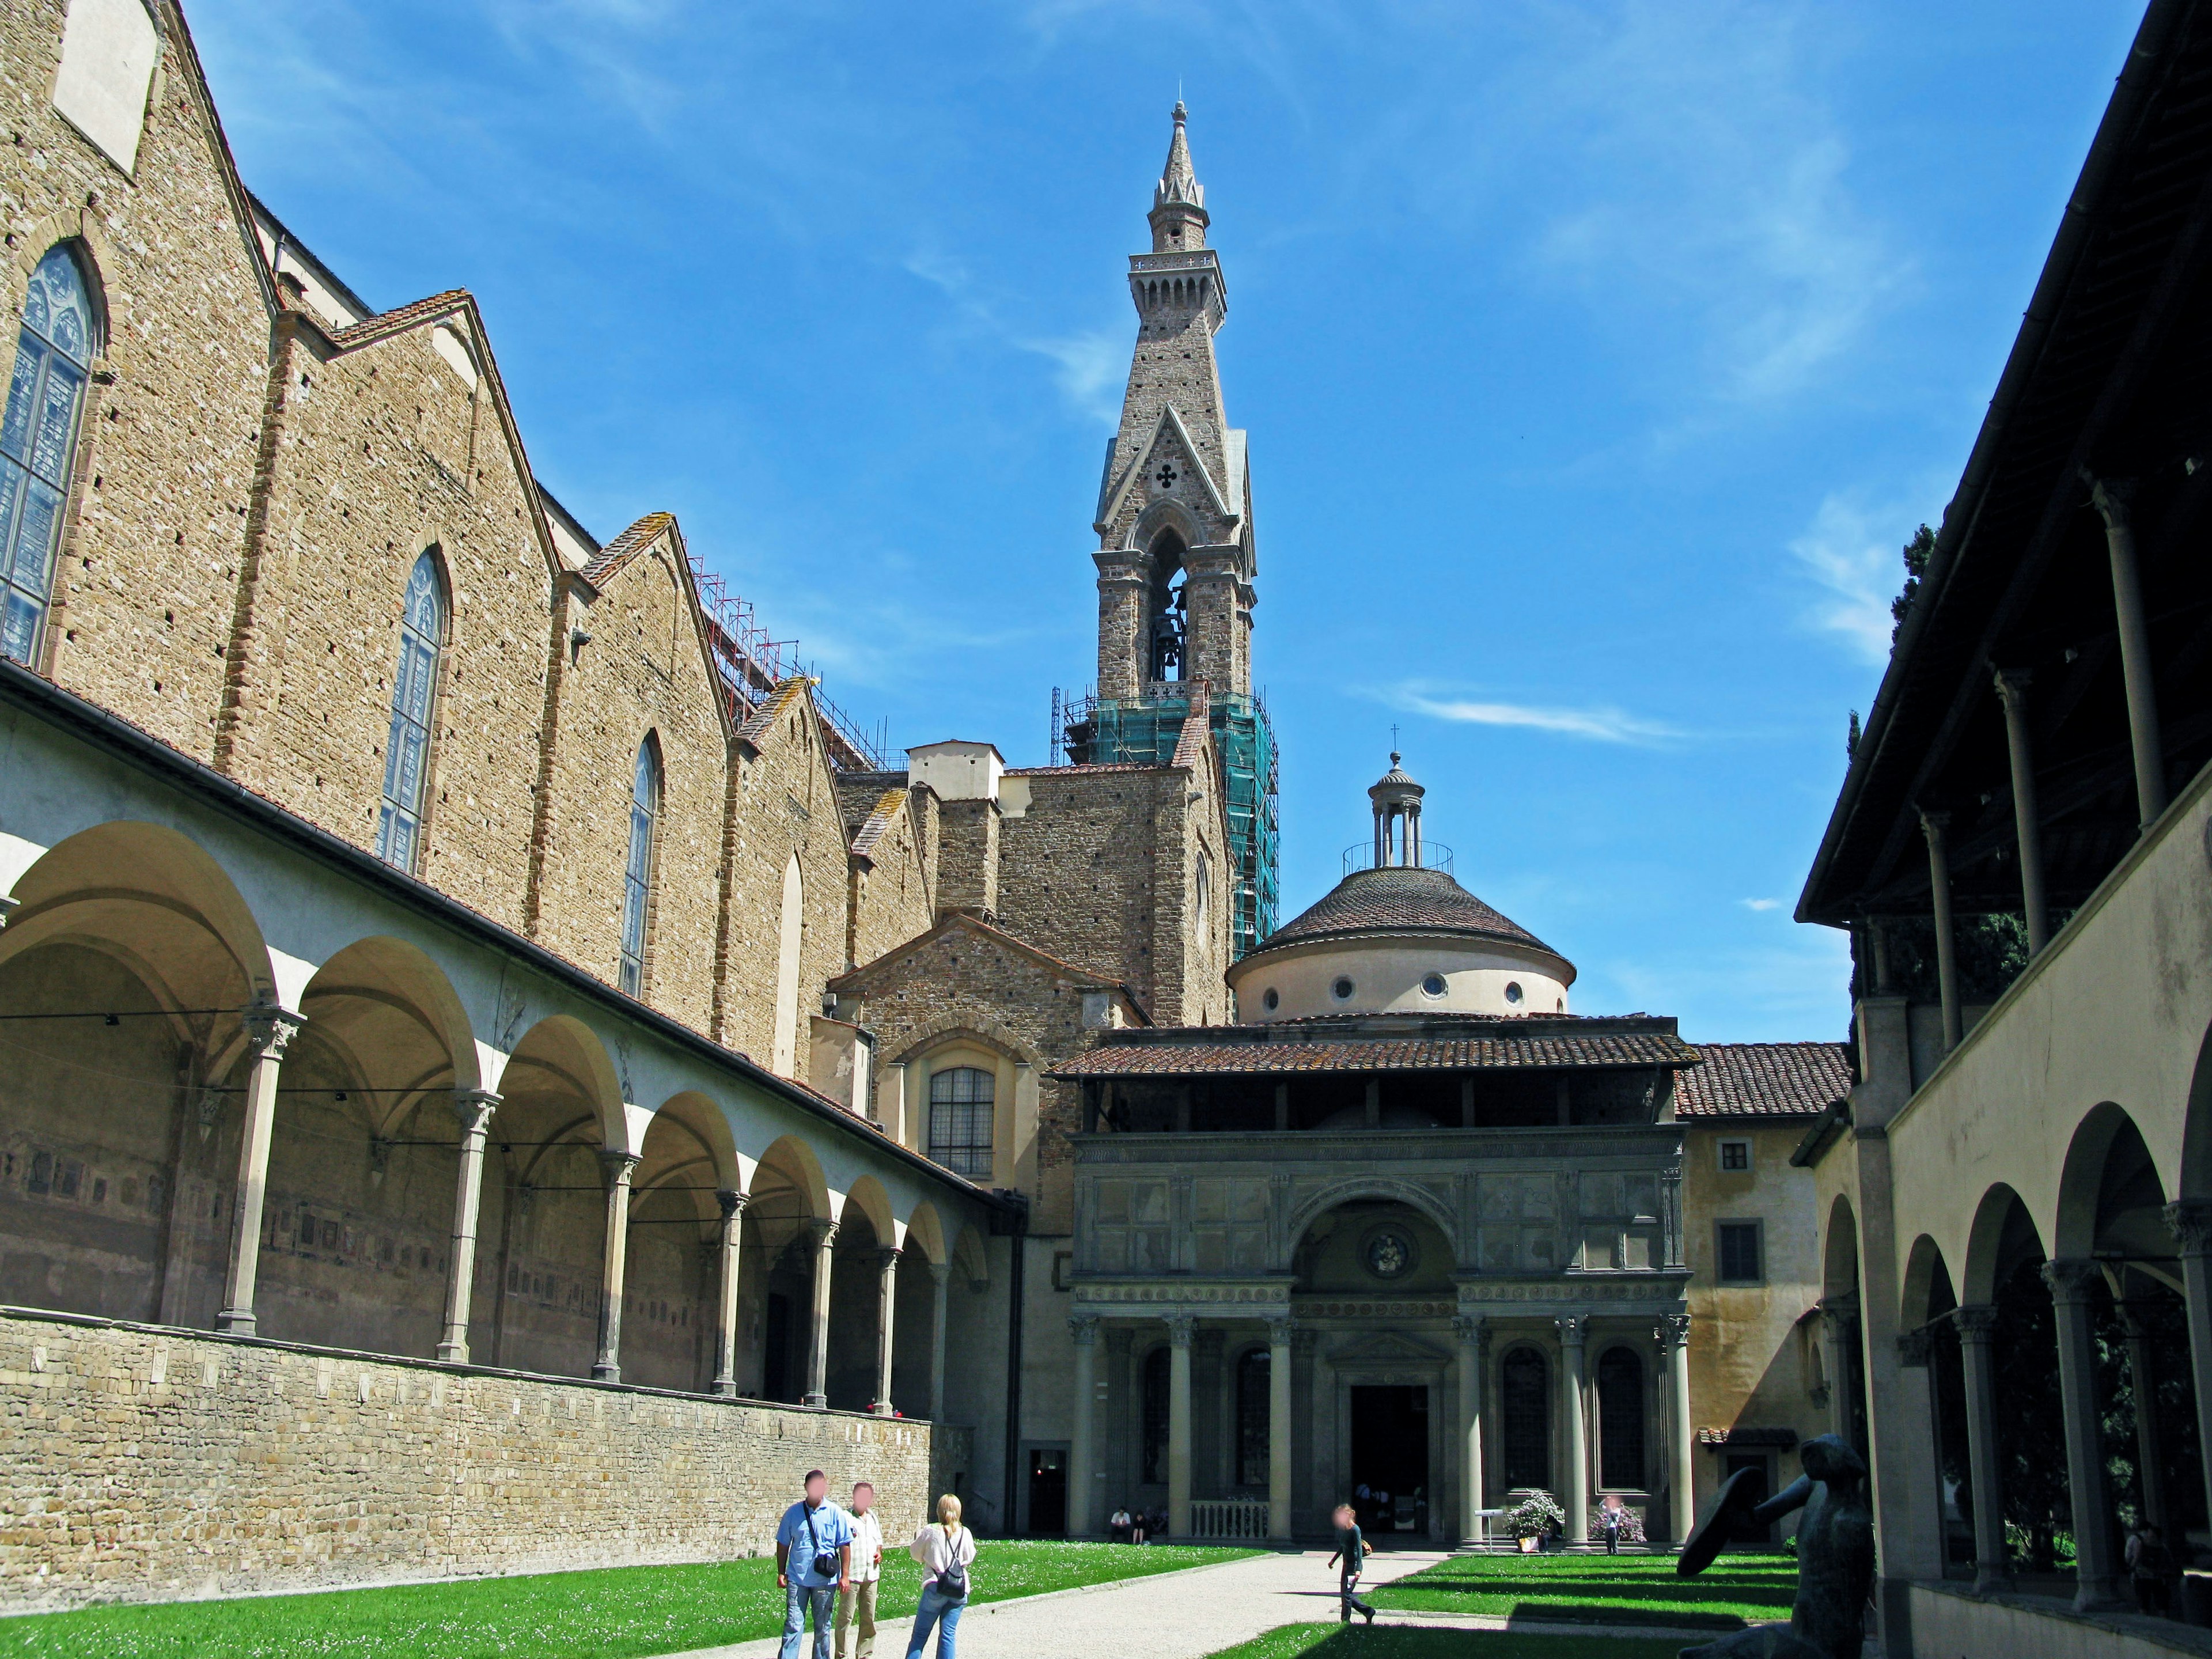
1089, 730
750, 665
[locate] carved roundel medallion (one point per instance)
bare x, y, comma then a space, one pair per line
1389, 1252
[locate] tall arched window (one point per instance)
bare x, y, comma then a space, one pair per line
1620, 1420
38, 442
637, 875
1253, 1403
1157, 1363
414, 701
961, 1118
1525, 1405
791, 930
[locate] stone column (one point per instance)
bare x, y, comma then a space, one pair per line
940, 1275
1840, 1339
2191, 1223
1977, 1326
1473, 1331
1572, 1331
1278, 1428
2150, 1454
817, 1325
2072, 1284
2027, 823
732, 1204
1674, 1333
267, 1031
2113, 499
1933, 826
474, 1107
615, 1169
1181, 1328
1082, 1437
887, 1261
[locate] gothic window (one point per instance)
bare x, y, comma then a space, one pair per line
1253, 1405
1525, 1402
961, 1120
1620, 1420
637, 876
38, 442
414, 702
1156, 1416
1205, 889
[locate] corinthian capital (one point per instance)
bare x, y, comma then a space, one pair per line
2191, 1223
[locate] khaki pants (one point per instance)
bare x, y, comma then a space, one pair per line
861, 1598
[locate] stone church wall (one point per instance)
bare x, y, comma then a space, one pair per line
142, 1464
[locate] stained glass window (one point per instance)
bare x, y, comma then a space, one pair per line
38, 440
637, 878
414, 699
961, 1120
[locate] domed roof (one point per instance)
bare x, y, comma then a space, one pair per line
1396, 899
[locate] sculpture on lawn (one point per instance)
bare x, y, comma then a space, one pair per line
1835, 1555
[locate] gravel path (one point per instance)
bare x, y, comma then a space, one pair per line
1173, 1615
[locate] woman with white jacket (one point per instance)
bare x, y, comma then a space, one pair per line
946, 1550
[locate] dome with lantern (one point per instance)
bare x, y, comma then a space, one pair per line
1399, 935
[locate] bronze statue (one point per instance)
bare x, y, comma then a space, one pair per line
1835, 1555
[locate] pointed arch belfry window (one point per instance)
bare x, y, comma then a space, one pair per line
38, 442
637, 875
414, 703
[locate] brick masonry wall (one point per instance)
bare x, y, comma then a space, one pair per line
142, 1464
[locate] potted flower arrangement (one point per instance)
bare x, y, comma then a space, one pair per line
1535, 1518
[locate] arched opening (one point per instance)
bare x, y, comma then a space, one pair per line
125, 965
544, 1226
2004, 1261
1368, 1246
1166, 611
54, 351
1840, 1317
914, 1327
864, 1235
1524, 1419
789, 931
776, 1280
422, 615
357, 1226
673, 1280
1620, 1421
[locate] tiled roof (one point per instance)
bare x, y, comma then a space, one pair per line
1417, 1054
770, 710
1372, 901
638, 536
878, 821
400, 318
1190, 743
1763, 1079
1073, 771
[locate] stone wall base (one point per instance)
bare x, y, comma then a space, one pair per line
1950, 1621
141, 1462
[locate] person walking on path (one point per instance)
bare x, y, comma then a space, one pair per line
859, 1595
813, 1562
2150, 1564
946, 1550
1351, 1549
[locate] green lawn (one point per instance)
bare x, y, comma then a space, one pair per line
1625, 1589
617, 1614
1403, 1641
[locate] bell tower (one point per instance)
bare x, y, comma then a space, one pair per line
1175, 553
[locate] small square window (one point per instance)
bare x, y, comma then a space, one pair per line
1735, 1156
1740, 1253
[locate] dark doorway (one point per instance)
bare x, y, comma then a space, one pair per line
1764, 1463
776, 1345
1390, 1455
1048, 1493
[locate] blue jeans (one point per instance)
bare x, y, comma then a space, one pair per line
936, 1608
798, 1599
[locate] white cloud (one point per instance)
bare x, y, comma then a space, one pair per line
1851, 551
1598, 724
1762, 904
1093, 366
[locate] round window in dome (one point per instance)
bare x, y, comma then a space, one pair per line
1341, 990
1513, 990
1272, 1001
1433, 986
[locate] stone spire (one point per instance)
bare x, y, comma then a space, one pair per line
1178, 213
1175, 555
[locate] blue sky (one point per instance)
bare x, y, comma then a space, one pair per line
1597, 359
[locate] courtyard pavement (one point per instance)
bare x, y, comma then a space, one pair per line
1174, 1615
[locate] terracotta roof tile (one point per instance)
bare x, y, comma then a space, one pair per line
1763, 1079
878, 821
1078, 771
616, 552
1370, 901
1419, 1054
400, 318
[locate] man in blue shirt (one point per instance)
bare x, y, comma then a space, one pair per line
814, 1533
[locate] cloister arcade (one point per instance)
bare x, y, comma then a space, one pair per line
336, 1150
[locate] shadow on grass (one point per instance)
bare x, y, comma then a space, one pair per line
1406, 1642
